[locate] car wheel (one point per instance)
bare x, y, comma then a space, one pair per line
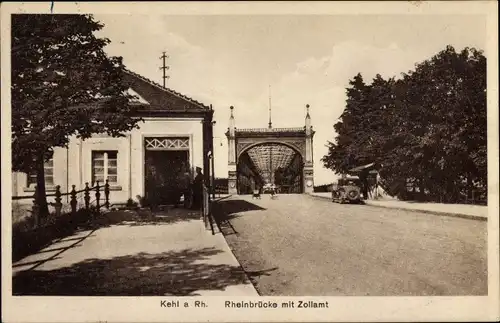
353, 195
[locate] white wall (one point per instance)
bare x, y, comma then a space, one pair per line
118, 192
20, 180
73, 166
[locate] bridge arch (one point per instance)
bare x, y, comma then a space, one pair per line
242, 155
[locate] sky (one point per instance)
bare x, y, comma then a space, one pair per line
227, 60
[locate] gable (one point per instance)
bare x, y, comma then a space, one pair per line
138, 99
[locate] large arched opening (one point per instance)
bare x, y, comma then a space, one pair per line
270, 162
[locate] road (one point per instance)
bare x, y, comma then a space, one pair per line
302, 245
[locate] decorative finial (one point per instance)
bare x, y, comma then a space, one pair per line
231, 107
307, 107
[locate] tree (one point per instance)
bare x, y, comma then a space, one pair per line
63, 84
428, 127
344, 153
451, 95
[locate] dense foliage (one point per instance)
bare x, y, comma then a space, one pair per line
427, 128
63, 84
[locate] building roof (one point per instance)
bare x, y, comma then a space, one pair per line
355, 169
371, 168
152, 97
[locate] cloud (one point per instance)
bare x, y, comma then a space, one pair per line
321, 82
218, 77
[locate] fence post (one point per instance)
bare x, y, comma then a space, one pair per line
106, 194
86, 196
58, 204
203, 206
73, 201
36, 209
97, 196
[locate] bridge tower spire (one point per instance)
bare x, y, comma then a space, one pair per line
231, 122
270, 122
309, 156
308, 120
231, 143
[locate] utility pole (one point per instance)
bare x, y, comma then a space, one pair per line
164, 67
213, 157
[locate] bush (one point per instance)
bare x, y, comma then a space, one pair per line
143, 201
131, 203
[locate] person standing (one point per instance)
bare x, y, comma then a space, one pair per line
198, 189
152, 189
363, 176
185, 186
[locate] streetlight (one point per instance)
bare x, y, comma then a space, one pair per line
213, 166
212, 185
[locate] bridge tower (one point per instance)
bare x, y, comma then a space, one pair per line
231, 144
309, 162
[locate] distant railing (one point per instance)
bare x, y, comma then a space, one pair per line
270, 129
221, 189
405, 192
323, 188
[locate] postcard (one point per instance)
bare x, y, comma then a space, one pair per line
250, 161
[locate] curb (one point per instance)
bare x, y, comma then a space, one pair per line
440, 213
222, 198
448, 214
248, 280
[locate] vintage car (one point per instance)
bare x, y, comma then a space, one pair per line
347, 190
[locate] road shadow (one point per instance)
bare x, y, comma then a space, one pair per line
35, 241
147, 217
175, 273
64, 228
225, 210
233, 208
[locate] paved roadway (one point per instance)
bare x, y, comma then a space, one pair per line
302, 245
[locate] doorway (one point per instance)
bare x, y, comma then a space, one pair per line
163, 175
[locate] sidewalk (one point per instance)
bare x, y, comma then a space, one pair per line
130, 253
476, 212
